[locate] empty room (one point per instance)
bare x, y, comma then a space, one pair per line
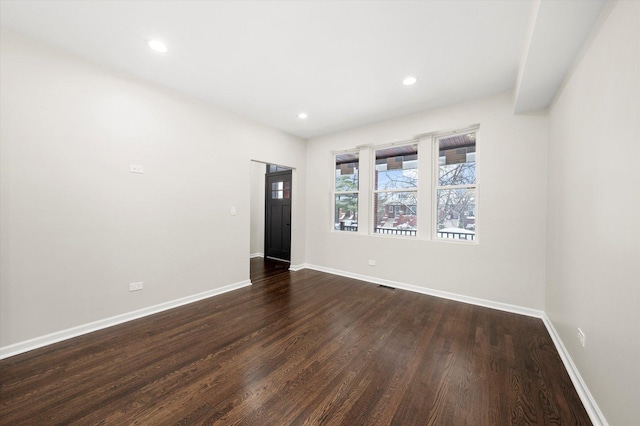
319, 212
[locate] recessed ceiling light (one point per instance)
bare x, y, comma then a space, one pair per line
158, 46
409, 81
302, 115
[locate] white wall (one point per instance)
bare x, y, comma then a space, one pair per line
593, 261
77, 227
257, 207
508, 264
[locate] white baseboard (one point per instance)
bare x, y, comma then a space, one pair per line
298, 267
252, 255
58, 336
431, 292
596, 416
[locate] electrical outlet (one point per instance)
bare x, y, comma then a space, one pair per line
582, 337
136, 286
372, 263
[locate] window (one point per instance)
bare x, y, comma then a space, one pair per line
456, 187
395, 190
392, 201
271, 168
280, 190
346, 192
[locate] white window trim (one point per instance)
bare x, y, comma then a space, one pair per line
435, 187
373, 222
335, 193
428, 158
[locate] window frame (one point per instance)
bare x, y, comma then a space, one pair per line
373, 223
436, 185
337, 193
426, 190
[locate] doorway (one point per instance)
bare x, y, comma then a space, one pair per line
263, 258
277, 222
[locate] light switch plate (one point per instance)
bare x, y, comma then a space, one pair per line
136, 286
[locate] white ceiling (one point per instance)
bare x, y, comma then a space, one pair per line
342, 62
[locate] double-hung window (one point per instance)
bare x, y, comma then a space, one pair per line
448, 195
346, 187
456, 186
395, 190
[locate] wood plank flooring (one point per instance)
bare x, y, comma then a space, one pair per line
261, 268
299, 348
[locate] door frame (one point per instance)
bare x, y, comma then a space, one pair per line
267, 198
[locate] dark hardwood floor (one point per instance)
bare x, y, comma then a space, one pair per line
300, 348
261, 268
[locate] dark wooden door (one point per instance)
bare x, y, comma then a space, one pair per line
277, 226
